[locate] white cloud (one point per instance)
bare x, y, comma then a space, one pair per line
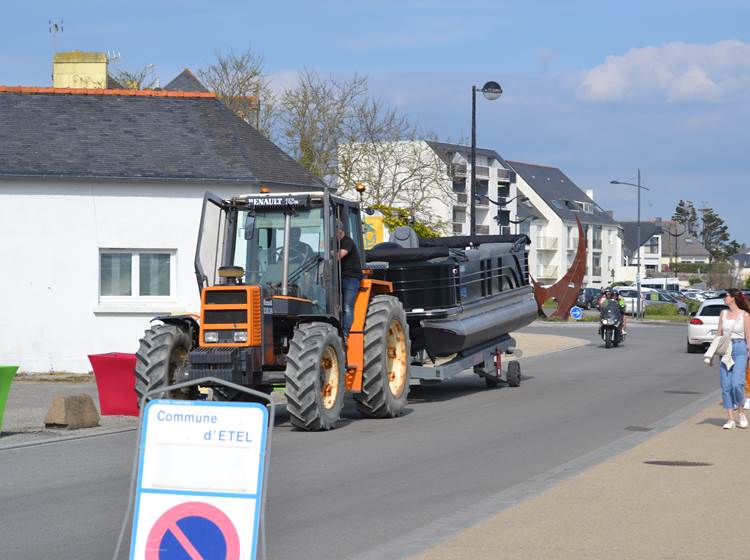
675, 72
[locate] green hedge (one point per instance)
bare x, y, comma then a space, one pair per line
661, 309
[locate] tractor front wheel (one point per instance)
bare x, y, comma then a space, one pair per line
162, 354
385, 379
315, 377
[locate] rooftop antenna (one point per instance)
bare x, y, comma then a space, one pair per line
55, 27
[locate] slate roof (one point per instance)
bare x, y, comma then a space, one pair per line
556, 189
442, 149
682, 245
630, 235
143, 135
185, 81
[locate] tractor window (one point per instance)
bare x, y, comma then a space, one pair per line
262, 256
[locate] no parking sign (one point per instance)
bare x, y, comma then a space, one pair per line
200, 479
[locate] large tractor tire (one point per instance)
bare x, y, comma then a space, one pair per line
315, 369
385, 379
161, 355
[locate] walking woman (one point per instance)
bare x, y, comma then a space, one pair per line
735, 320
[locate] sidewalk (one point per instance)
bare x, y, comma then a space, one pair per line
626, 509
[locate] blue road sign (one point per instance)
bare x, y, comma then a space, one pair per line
576, 312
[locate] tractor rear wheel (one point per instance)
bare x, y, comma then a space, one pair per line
315, 377
385, 379
162, 355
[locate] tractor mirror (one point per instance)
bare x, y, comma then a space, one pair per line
249, 226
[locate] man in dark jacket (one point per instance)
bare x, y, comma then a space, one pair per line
351, 274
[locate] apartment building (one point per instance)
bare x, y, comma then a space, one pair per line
547, 214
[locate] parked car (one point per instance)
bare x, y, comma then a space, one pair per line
656, 297
704, 324
630, 295
697, 295
588, 297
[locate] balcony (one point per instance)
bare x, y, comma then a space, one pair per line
505, 175
457, 170
546, 243
483, 171
546, 272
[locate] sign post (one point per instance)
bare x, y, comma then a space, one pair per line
200, 481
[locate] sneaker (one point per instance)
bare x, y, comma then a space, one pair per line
747, 403
730, 425
743, 421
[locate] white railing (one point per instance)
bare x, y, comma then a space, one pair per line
546, 271
549, 243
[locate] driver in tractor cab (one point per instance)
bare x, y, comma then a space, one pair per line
299, 250
351, 274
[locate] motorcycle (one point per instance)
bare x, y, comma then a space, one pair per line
610, 324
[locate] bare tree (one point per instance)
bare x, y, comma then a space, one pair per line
240, 83
398, 168
316, 114
137, 79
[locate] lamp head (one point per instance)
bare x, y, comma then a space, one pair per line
359, 187
491, 90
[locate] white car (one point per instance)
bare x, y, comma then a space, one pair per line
704, 324
630, 295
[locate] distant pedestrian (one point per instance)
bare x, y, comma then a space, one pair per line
735, 320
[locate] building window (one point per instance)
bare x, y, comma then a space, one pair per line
597, 242
652, 245
127, 275
596, 261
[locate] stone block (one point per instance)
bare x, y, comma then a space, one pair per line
72, 412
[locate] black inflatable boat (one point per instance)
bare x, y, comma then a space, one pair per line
461, 292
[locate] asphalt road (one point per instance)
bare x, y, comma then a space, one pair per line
362, 489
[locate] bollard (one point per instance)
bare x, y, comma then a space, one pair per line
6, 376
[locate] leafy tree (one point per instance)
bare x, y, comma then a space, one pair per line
397, 217
747, 282
715, 234
686, 215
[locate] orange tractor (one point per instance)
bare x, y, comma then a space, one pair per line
271, 313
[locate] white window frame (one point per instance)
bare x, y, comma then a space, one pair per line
135, 277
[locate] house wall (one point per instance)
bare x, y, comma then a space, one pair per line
51, 235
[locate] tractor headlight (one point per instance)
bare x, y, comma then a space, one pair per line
211, 336
240, 336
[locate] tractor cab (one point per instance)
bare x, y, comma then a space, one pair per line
283, 243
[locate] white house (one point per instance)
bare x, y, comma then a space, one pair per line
552, 203
436, 176
649, 252
100, 199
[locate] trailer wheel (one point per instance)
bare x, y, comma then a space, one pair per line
385, 379
315, 377
161, 356
514, 374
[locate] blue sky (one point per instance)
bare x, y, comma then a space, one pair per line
596, 88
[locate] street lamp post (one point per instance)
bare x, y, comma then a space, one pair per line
491, 91
638, 237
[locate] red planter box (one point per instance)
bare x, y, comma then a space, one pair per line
115, 381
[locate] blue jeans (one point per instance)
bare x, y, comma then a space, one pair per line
349, 289
733, 380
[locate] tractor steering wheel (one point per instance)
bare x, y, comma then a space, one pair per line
297, 255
